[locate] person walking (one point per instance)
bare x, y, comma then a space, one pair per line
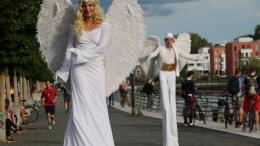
48, 98
66, 97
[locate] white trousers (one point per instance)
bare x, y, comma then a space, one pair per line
168, 104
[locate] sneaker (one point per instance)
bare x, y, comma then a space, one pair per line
53, 122
191, 124
185, 125
50, 127
10, 140
20, 129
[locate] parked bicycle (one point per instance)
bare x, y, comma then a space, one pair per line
31, 111
200, 112
228, 103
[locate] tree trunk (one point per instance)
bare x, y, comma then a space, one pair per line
7, 87
2, 107
25, 94
16, 105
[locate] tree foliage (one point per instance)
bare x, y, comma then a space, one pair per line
257, 32
198, 42
252, 63
19, 47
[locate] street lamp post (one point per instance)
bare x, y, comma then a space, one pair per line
133, 92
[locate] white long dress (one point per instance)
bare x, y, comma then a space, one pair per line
88, 123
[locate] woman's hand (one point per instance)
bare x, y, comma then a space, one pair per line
73, 51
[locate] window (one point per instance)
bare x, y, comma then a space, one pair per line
243, 46
235, 49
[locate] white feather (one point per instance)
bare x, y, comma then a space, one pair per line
183, 42
54, 21
127, 28
150, 44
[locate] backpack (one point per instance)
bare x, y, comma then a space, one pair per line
252, 85
233, 85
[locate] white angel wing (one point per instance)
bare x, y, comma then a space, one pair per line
183, 42
53, 25
127, 28
150, 44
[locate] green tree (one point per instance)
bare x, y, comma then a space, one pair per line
257, 32
252, 63
198, 42
19, 47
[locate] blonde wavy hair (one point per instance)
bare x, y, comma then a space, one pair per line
98, 16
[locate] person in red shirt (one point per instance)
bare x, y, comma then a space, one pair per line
48, 98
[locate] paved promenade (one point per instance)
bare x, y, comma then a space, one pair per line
129, 131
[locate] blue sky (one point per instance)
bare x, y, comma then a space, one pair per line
216, 20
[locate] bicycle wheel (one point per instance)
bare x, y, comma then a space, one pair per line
251, 118
33, 114
201, 115
194, 114
226, 115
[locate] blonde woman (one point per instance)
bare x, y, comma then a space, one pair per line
88, 123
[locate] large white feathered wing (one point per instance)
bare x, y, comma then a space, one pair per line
53, 26
183, 42
150, 45
127, 28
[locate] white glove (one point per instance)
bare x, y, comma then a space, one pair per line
73, 51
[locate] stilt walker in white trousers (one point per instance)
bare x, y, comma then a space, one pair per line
167, 62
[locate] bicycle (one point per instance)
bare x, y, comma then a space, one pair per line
31, 111
228, 117
251, 117
198, 109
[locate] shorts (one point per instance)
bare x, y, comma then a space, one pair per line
238, 102
247, 103
66, 98
257, 104
50, 109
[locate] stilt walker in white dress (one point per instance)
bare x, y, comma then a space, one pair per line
167, 62
98, 57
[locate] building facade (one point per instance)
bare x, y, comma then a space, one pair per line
240, 51
217, 61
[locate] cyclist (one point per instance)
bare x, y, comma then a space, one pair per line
252, 83
188, 91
